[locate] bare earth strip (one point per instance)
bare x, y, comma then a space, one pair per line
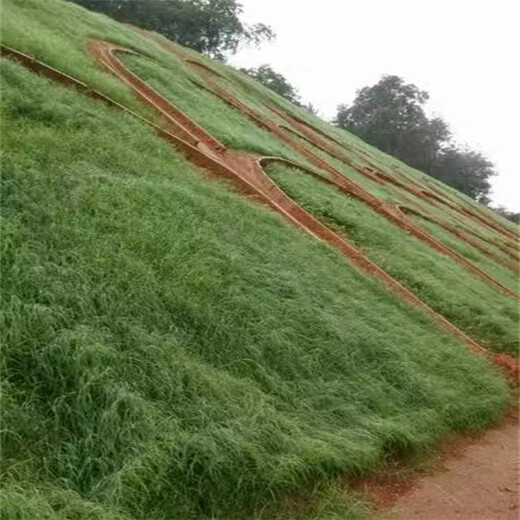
478, 480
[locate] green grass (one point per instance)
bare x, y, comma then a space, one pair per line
172, 351
403, 172
57, 33
227, 124
479, 258
342, 167
474, 305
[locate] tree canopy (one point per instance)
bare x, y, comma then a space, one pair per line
212, 27
466, 170
275, 81
510, 215
391, 116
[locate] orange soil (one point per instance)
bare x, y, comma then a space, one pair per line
475, 478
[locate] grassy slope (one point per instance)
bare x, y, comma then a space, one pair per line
237, 131
396, 195
228, 125
474, 305
251, 90
157, 343
479, 258
171, 350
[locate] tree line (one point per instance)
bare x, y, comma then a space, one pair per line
278, 83
212, 27
390, 115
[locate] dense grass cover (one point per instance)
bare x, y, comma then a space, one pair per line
498, 270
228, 125
170, 349
473, 304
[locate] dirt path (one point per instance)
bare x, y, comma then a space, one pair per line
476, 479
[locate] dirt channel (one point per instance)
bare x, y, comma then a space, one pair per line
475, 478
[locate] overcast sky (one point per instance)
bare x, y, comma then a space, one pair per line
465, 53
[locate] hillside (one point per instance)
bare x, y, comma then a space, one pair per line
213, 301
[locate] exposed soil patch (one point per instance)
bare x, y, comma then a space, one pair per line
475, 478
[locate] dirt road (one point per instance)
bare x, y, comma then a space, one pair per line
476, 479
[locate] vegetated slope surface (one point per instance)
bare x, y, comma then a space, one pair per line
172, 349
473, 304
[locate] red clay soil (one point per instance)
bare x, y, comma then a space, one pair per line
244, 170
475, 478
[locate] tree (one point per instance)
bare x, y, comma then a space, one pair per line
274, 81
279, 84
504, 212
310, 108
390, 115
466, 170
212, 27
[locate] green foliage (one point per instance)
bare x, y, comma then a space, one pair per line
212, 27
466, 170
390, 115
279, 84
274, 81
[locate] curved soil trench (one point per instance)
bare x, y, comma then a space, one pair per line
474, 478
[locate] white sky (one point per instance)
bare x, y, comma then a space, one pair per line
465, 53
